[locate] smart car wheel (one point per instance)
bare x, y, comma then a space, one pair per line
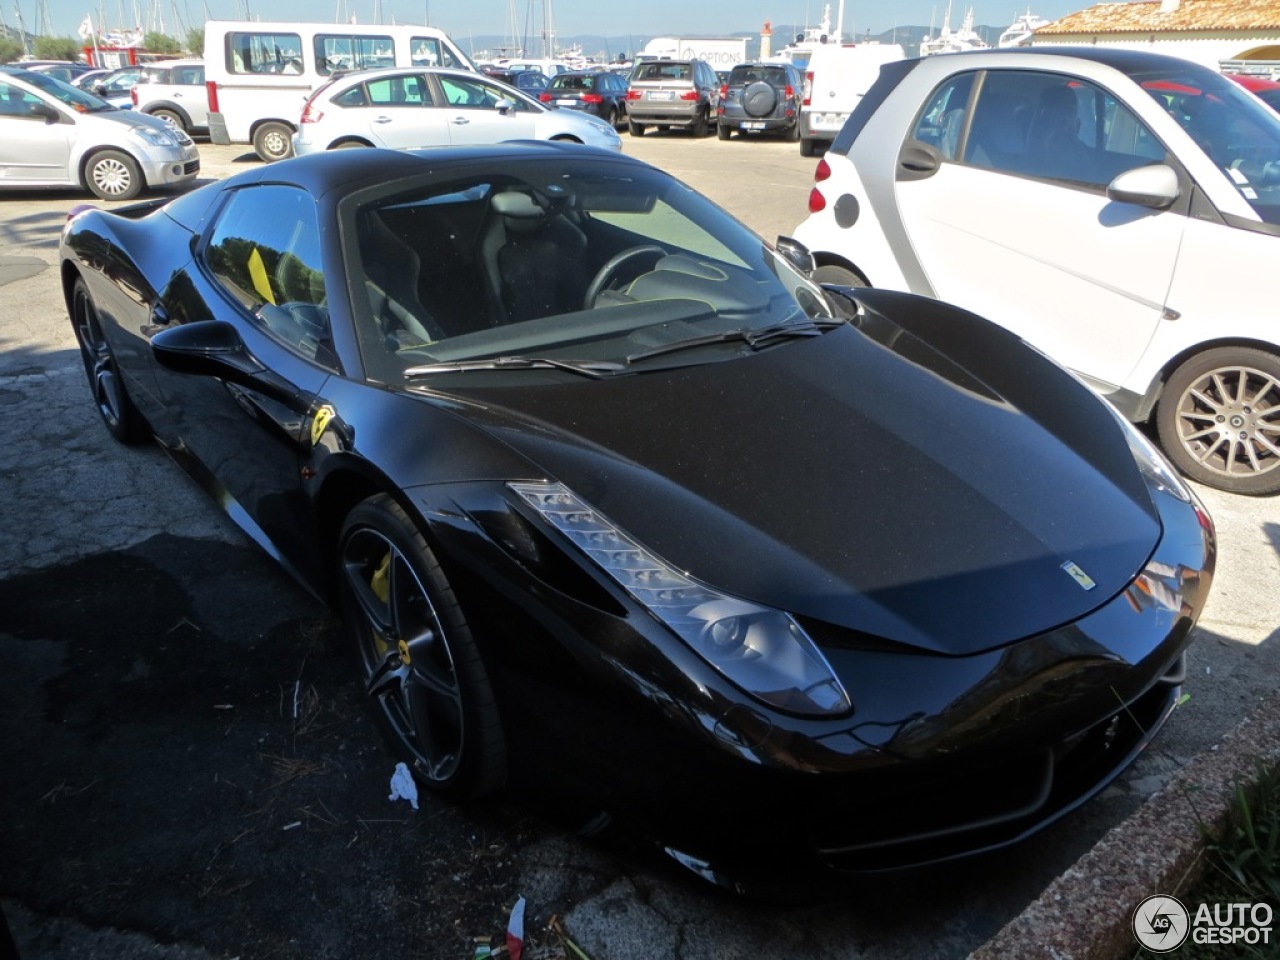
122, 419
113, 175
1219, 420
420, 666
273, 141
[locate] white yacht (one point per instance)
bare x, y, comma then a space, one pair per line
1019, 32
949, 41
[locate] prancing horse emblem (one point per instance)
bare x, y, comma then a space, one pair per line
1078, 575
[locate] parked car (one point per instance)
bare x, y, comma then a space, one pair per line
760, 98
672, 93
117, 85
599, 93
65, 70
418, 107
1264, 88
1119, 210
174, 91
52, 134
530, 81
590, 471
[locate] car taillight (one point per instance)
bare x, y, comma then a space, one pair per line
133, 95
311, 113
544, 96
211, 93
789, 92
822, 172
689, 95
724, 91
816, 200
592, 98
808, 88
633, 94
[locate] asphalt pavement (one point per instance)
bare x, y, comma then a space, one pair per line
188, 772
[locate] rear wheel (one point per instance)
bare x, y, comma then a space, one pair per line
273, 141
1219, 420
113, 175
427, 684
808, 147
837, 275
118, 413
171, 117
699, 127
723, 131
635, 129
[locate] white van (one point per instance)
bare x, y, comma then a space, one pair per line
258, 74
835, 79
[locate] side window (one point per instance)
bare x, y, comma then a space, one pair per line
264, 53
398, 92
272, 267
336, 52
1056, 127
943, 117
16, 103
459, 92
430, 52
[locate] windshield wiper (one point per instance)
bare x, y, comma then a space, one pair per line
595, 369
754, 338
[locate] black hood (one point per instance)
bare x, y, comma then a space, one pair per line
859, 477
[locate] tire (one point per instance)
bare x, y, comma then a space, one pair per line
792, 133
113, 175
428, 686
119, 415
273, 141
612, 118
759, 99
349, 145
807, 147
635, 129
723, 131
837, 275
171, 117
699, 127
1219, 420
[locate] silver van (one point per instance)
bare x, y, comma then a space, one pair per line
53, 134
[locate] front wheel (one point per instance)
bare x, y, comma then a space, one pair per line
1219, 420
838, 276
273, 141
116, 408
427, 684
113, 175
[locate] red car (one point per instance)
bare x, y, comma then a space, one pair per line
1268, 91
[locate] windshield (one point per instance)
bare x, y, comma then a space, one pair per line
575, 259
79, 100
1237, 132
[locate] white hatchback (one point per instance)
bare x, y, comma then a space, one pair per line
405, 108
1119, 210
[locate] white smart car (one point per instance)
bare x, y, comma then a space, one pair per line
1119, 210
407, 107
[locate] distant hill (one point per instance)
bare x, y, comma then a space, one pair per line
614, 47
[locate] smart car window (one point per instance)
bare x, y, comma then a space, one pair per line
942, 118
271, 265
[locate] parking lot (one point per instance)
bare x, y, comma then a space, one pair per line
188, 772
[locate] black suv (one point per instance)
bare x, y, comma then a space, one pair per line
761, 98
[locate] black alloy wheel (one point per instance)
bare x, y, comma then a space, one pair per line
427, 684
1219, 420
110, 396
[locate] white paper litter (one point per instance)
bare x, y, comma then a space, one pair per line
403, 787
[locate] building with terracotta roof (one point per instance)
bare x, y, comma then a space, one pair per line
1206, 31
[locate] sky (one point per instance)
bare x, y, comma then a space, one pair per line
464, 18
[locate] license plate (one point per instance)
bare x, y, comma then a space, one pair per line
661, 95
566, 103
752, 125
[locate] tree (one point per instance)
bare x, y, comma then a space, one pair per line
160, 43
10, 49
57, 48
195, 41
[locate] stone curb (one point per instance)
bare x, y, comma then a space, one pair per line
1086, 912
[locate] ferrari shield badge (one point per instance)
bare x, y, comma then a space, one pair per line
322, 418
1078, 575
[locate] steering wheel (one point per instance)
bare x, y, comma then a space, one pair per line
605, 274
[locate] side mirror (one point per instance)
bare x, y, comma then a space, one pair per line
213, 348
796, 254
1155, 186
504, 106
45, 112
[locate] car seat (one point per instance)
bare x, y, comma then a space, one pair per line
392, 270
533, 258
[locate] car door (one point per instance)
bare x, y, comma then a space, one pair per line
259, 269
477, 110
395, 111
34, 146
1008, 214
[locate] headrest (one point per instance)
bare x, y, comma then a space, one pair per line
519, 206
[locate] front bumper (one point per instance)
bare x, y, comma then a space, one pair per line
171, 170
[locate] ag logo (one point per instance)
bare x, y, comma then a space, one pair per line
1161, 923
323, 416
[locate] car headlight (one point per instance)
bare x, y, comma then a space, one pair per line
157, 138
760, 649
1155, 469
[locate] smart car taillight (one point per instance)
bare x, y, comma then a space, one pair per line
817, 201
823, 171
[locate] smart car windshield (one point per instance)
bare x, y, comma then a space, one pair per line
1237, 132
574, 260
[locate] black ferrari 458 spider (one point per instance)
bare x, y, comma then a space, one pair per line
846, 579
